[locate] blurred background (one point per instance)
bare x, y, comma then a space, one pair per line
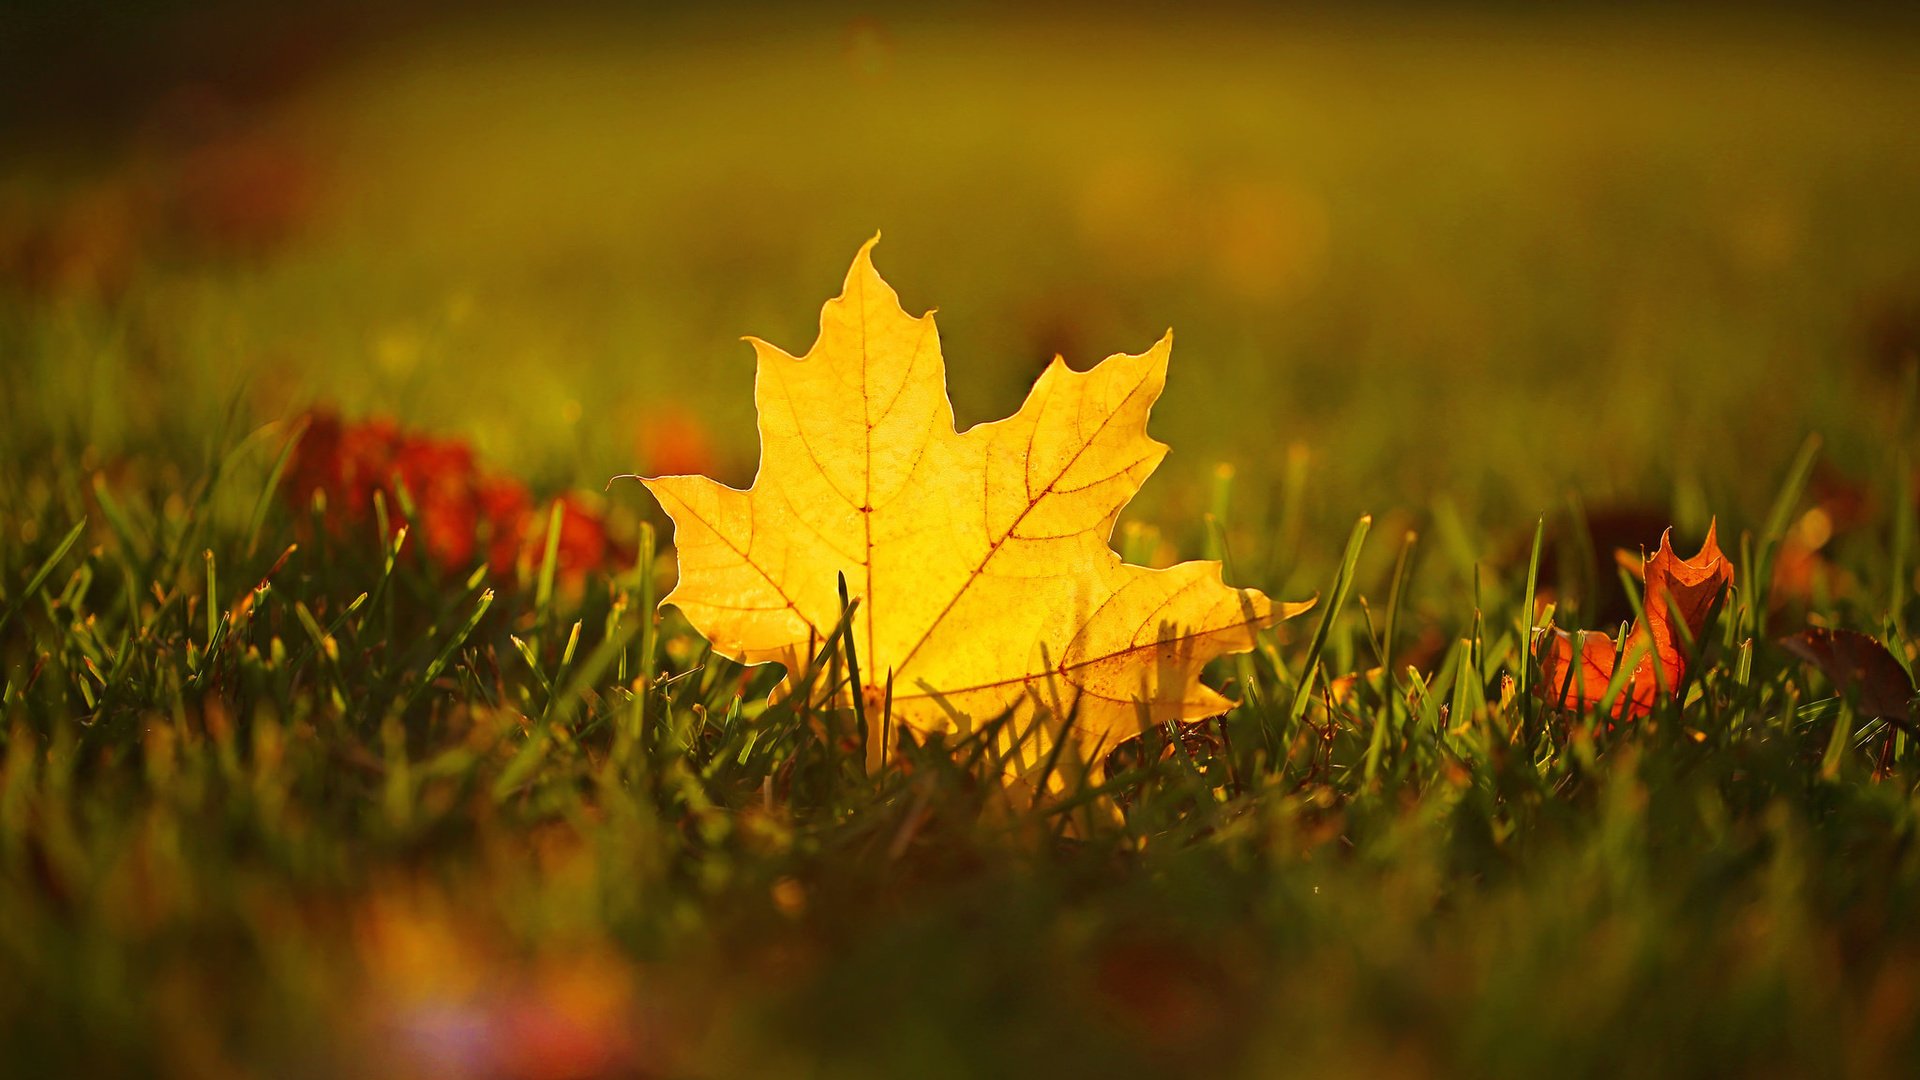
1504, 254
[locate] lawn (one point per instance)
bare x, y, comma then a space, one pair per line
1468, 309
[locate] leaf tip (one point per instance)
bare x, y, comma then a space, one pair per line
1287, 609
863, 258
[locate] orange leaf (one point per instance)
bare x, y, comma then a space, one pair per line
1676, 587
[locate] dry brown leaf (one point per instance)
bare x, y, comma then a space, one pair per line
980, 559
1859, 667
1575, 668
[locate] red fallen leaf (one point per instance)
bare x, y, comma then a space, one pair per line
1674, 586
584, 543
1858, 666
460, 512
506, 508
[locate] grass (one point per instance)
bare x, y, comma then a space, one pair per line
275, 801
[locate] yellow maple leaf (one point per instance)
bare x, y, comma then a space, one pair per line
980, 559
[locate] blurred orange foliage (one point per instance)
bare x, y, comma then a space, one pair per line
457, 511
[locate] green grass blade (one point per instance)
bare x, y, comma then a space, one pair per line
1527, 662
41, 575
1778, 520
1342, 580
